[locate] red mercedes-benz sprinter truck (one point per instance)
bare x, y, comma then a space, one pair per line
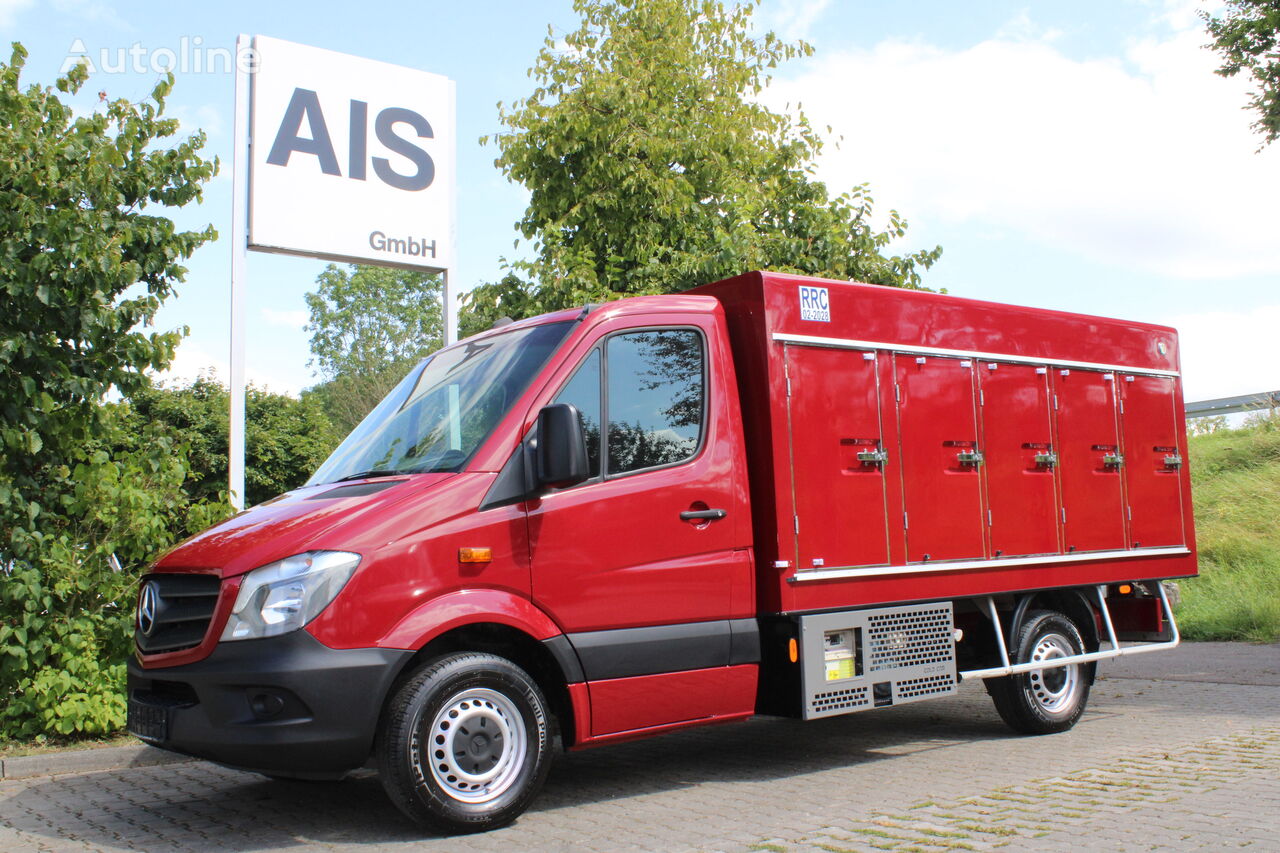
768, 495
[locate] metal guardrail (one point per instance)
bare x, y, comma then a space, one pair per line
1229, 405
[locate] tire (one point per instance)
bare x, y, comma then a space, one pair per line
464, 744
1050, 700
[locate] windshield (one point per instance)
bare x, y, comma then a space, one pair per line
445, 408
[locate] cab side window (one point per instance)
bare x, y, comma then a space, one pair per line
652, 408
655, 398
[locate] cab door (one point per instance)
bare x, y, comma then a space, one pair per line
646, 565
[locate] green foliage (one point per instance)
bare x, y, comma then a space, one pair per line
84, 266
482, 306
66, 611
285, 439
368, 326
1236, 489
652, 167
1247, 39
1207, 424
81, 264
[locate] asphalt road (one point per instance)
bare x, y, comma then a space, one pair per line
1178, 751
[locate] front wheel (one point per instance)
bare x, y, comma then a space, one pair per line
1048, 700
464, 745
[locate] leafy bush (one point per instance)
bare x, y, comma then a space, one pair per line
286, 439
66, 610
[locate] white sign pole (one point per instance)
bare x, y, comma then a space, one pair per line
449, 293
239, 264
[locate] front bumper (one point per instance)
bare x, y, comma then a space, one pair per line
284, 705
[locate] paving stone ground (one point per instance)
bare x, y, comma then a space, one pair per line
1175, 756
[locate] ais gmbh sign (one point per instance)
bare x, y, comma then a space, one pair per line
351, 159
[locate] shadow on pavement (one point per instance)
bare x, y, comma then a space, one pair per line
202, 807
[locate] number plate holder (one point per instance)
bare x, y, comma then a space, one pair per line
148, 722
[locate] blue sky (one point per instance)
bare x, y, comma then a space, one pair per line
1078, 156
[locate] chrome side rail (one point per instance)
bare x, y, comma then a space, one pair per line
1115, 651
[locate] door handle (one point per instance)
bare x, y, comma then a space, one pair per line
703, 515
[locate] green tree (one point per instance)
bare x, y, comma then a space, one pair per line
510, 297
84, 265
1246, 39
368, 325
286, 439
652, 166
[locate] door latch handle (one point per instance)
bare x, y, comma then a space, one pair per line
1112, 460
703, 515
970, 457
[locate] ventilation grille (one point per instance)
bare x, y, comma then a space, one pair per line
839, 700
910, 687
897, 640
184, 608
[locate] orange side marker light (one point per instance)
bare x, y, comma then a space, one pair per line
792, 651
475, 555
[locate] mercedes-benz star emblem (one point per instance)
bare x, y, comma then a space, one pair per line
148, 604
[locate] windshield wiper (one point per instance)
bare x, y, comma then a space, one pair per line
377, 472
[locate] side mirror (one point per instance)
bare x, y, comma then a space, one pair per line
561, 454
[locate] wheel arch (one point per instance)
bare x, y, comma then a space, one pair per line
1071, 603
549, 660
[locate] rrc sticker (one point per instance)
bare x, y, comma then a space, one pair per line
814, 304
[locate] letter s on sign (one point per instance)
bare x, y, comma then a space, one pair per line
384, 127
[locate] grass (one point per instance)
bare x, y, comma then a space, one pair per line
1235, 477
15, 748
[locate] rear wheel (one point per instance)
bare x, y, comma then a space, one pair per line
1048, 700
464, 746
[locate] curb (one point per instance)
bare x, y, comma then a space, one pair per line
87, 761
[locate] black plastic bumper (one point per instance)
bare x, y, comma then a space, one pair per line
286, 705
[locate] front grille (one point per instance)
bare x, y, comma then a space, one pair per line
168, 694
184, 607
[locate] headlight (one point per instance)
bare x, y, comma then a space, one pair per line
283, 596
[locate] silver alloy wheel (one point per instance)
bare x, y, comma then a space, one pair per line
475, 746
1054, 690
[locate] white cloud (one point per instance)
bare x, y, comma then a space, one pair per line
91, 11
288, 319
791, 19
9, 10
1145, 160
1021, 27
1225, 353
